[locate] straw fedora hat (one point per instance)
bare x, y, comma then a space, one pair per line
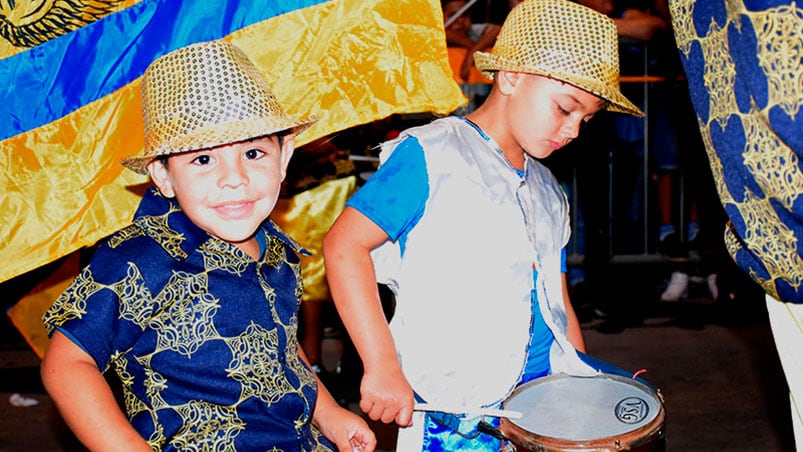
564, 41
206, 95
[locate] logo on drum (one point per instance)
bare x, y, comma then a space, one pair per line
632, 410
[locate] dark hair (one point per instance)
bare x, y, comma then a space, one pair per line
163, 158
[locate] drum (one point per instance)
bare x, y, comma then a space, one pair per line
605, 412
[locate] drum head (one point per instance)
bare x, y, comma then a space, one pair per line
584, 409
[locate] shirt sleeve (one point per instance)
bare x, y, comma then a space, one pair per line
394, 197
89, 312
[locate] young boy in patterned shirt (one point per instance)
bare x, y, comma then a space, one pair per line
195, 304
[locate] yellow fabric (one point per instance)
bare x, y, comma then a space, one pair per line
347, 61
27, 314
306, 217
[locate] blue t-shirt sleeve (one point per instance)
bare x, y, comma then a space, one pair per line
394, 197
563, 267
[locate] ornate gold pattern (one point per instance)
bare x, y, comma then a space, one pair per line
773, 165
125, 234
161, 231
255, 364
683, 25
28, 23
773, 171
219, 426
136, 303
274, 253
213, 252
770, 239
186, 320
61, 311
720, 74
779, 55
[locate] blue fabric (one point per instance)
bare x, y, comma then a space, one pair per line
202, 336
394, 197
754, 137
440, 434
112, 52
537, 364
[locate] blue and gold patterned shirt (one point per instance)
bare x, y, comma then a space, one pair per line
202, 337
743, 65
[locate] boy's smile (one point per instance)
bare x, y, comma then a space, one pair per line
229, 190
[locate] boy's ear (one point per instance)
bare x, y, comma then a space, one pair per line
161, 177
288, 147
506, 81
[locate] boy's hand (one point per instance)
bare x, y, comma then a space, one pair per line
348, 431
387, 397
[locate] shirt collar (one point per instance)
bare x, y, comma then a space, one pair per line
163, 221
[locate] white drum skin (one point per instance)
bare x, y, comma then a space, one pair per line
605, 412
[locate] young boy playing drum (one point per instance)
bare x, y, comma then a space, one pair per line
195, 304
468, 229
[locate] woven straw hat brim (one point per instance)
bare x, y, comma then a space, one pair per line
206, 95
489, 64
218, 135
562, 40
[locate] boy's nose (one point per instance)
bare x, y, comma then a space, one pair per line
233, 174
571, 129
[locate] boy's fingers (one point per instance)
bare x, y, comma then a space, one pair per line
363, 441
343, 444
405, 416
389, 414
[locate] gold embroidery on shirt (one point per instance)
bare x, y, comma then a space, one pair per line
773, 242
720, 74
217, 256
188, 310
136, 303
778, 31
72, 303
683, 25
125, 234
274, 252
214, 427
256, 365
167, 237
772, 163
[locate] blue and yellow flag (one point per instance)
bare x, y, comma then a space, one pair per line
70, 106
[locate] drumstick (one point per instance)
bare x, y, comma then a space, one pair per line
494, 412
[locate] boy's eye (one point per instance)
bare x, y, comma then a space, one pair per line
562, 110
201, 160
253, 153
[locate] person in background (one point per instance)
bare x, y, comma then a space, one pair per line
747, 97
605, 164
469, 230
319, 180
461, 39
195, 304
676, 152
